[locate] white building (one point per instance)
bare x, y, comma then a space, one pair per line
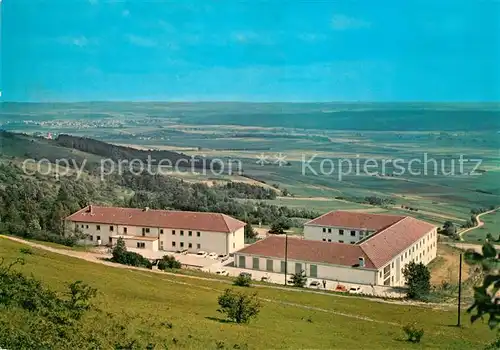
159, 230
349, 247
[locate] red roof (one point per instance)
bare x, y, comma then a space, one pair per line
383, 246
308, 250
200, 221
359, 220
393, 235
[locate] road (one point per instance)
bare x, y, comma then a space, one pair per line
479, 223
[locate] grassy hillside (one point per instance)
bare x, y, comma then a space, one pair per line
147, 302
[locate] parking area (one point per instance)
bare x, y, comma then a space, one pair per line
189, 260
279, 278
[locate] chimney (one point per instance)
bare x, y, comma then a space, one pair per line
146, 209
90, 209
361, 261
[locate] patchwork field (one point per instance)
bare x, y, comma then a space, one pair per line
288, 319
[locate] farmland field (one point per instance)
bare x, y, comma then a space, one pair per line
288, 319
319, 145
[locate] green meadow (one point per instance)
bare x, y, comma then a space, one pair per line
146, 301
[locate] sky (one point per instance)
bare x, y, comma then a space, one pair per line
214, 50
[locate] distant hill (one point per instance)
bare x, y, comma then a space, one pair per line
81, 148
117, 153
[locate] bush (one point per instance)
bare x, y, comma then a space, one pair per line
121, 256
413, 333
169, 262
299, 279
239, 307
242, 281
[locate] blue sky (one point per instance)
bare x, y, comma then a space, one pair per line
77, 50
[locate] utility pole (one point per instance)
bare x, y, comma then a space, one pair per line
459, 288
286, 256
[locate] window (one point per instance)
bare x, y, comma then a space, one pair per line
353, 233
198, 246
173, 244
147, 229
82, 226
182, 244
173, 232
98, 238
87, 226
324, 239
111, 228
341, 241
329, 240
182, 233
198, 234
313, 270
91, 238
324, 229
380, 274
255, 263
329, 230
190, 245
124, 230
98, 227
283, 267
241, 261
392, 264
110, 240
341, 232
234, 245
269, 265
141, 245
298, 267
161, 231
190, 233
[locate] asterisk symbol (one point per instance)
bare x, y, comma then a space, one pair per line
280, 159
262, 159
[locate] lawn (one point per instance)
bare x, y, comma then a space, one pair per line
288, 319
491, 225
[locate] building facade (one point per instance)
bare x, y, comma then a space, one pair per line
349, 247
159, 230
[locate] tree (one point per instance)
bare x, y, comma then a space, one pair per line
119, 250
449, 228
280, 225
299, 279
486, 299
250, 232
169, 262
418, 280
239, 307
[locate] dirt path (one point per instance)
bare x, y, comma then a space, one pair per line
479, 223
98, 258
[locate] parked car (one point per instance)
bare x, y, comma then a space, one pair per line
224, 258
246, 274
184, 252
202, 254
212, 255
340, 288
316, 284
355, 290
290, 281
222, 273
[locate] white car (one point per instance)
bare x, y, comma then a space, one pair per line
222, 273
201, 253
355, 290
316, 284
212, 255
